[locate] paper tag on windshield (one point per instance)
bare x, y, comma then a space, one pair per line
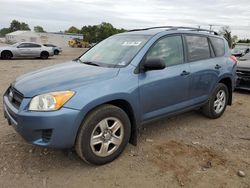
131, 43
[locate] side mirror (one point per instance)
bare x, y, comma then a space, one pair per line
153, 64
247, 50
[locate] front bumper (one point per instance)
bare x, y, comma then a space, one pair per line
57, 129
243, 79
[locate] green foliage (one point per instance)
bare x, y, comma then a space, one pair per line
97, 33
39, 29
16, 25
4, 31
244, 41
226, 32
73, 29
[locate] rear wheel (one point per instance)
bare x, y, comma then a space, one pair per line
44, 55
6, 55
103, 135
217, 103
56, 52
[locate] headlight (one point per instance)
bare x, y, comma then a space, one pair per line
50, 101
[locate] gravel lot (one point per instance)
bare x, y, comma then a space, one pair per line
184, 151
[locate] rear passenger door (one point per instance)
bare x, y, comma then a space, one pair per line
165, 91
35, 50
204, 73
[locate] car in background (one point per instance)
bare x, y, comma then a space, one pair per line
27, 50
243, 72
56, 49
240, 50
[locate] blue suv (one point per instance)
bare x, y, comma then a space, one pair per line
98, 102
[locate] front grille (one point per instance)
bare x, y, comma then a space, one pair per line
243, 74
15, 97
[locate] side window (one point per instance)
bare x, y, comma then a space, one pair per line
169, 49
218, 46
23, 45
34, 45
198, 48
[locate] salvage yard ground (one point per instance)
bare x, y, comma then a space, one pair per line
184, 151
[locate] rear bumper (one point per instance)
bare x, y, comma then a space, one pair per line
55, 129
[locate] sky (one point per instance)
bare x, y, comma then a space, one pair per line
59, 15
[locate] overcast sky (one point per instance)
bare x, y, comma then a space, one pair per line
59, 15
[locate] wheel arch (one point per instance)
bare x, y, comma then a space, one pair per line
125, 106
228, 82
44, 51
6, 51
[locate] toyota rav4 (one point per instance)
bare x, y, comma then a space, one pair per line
98, 102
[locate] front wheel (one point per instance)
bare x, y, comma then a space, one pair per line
103, 135
6, 55
217, 103
44, 55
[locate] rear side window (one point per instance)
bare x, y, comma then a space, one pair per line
34, 45
218, 46
198, 48
169, 49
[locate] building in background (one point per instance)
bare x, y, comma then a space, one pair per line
59, 39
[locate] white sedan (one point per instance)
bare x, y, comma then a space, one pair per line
26, 49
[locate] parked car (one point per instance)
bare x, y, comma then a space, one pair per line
104, 97
56, 49
243, 72
240, 50
26, 49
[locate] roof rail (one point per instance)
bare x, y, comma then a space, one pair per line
176, 28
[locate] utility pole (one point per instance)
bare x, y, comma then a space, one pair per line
210, 26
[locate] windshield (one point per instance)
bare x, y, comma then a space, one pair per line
238, 47
115, 51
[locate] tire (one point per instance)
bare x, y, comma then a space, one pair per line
6, 55
44, 55
56, 52
109, 124
216, 104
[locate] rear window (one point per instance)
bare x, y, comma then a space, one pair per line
218, 46
198, 48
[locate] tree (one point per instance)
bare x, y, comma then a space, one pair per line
16, 25
244, 41
226, 32
73, 29
4, 31
39, 29
97, 33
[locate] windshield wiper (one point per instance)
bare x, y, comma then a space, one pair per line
89, 63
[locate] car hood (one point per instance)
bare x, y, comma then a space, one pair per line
244, 64
60, 77
6, 48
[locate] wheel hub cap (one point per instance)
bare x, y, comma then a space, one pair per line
107, 136
220, 101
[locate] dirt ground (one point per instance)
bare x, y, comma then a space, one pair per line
184, 151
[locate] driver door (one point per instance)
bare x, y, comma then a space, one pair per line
165, 91
24, 50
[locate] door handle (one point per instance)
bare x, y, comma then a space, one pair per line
217, 66
185, 73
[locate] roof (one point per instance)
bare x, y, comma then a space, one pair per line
35, 34
171, 29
